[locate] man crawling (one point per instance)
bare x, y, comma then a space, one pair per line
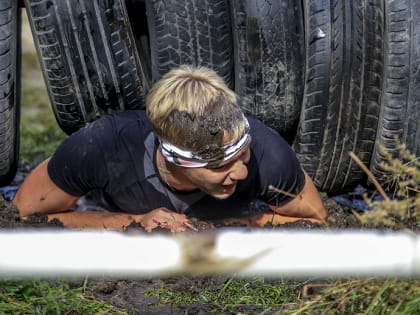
192, 153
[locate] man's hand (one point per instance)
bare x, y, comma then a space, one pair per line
165, 218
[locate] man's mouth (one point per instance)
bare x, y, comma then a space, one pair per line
227, 188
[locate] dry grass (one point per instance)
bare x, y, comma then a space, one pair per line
402, 209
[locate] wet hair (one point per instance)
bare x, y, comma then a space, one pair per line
192, 108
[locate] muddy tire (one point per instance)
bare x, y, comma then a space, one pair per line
400, 111
269, 48
9, 89
342, 89
88, 57
190, 32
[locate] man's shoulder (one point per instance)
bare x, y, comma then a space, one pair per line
114, 133
264, 136
129, 118
118, 125
269, 148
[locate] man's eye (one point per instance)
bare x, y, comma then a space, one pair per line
221, 167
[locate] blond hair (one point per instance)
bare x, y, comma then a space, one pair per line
193, 108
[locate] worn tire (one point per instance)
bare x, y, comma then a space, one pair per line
190, 32
342, 89
400, 111
10, 55
269, 47
88, 57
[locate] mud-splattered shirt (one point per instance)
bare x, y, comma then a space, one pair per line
117, 155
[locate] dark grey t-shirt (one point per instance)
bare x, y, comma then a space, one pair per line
117, 155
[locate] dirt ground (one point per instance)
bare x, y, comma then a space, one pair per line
130, 294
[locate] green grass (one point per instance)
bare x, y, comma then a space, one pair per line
365, 296
233, 293
42, 297
40, 134
344, 297
30, 61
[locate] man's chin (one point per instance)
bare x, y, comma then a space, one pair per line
225, 192
221, 196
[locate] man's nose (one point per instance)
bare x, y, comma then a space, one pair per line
239, 171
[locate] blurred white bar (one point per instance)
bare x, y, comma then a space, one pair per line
242, 252
330, 254
52, 253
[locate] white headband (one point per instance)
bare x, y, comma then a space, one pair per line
191, 159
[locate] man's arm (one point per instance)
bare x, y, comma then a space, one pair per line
307, 204
39, 194
160, 217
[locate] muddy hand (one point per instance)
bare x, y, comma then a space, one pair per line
165, 218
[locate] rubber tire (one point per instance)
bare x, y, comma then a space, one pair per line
269, 63
10, 62
88, 57
190, 32
400, 111
344, 51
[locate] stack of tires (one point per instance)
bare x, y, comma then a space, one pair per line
362, 80
332, 76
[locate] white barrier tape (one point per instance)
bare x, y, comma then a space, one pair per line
246, 253
85, 253
300, 254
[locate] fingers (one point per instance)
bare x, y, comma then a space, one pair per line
165, 218
174, 226
190, 225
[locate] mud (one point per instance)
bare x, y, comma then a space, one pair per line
131, 294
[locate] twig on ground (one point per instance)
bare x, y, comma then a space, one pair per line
357, 216
370, 175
